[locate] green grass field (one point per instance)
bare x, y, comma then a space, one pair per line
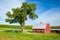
29, 27
26, 35
15, 27
55, 27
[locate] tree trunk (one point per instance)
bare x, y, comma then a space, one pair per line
22, 28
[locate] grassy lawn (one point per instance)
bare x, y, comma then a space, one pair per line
25, 36
28, 36
29, 27
55, 27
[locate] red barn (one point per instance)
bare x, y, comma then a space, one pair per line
41, 28
55, 30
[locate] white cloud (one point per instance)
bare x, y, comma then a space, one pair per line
51, 16
7, 5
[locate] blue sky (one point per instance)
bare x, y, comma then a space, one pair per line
47, 10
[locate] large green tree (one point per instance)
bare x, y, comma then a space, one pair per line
20, 15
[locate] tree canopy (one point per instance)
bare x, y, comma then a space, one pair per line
19, 15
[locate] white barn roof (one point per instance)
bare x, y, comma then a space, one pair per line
39, 26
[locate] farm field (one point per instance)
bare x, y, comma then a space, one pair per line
9, 27
4, 35
55, 27
28, 36
28, 27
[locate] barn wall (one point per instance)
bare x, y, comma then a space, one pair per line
38, 30
55, 31
59, 31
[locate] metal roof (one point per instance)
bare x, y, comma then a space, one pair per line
39, 26
54, 29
